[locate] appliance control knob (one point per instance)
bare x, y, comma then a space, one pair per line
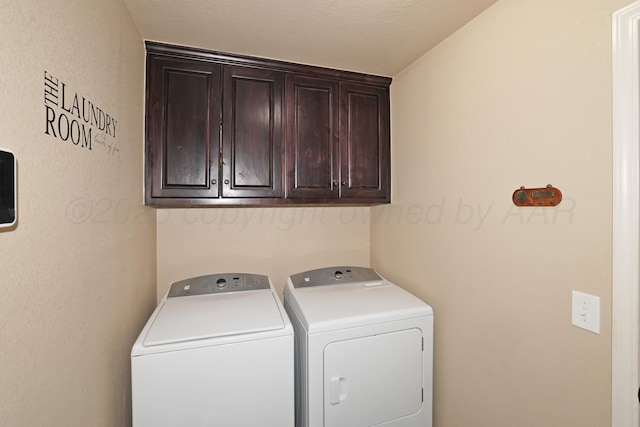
221, 283
338, 274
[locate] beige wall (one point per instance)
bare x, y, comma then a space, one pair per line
520, 96
277, 242
77, 274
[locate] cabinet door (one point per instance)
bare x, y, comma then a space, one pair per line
364, 142
312, 138
252, 133
183, 121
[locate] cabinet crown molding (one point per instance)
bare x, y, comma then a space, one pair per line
257, 62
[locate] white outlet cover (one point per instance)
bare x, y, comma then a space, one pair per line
585, 311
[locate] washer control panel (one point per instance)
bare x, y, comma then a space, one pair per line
217, 284
334, 276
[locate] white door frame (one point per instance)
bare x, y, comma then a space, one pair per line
626, 216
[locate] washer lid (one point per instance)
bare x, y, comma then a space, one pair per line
214, 315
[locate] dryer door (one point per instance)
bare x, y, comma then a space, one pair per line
374, 379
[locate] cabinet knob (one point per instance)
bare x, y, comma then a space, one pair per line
214, 182
226, 181
335, 183
343, 183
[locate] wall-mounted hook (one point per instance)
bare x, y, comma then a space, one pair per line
547, 196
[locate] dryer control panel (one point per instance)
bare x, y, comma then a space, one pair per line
218, 283
334, 276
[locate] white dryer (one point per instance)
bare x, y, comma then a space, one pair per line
364, 350
217, 351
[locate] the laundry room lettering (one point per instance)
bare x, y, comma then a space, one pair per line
71, 117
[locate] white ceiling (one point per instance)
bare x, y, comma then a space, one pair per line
371, 36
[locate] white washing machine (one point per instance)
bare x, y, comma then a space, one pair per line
217, 351
364, 350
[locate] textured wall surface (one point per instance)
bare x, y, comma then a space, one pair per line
77, 274
519, 96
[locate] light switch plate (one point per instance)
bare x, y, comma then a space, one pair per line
585, 311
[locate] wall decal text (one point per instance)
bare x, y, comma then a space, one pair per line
74, 118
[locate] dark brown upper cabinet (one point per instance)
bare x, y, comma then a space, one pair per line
252, 133
364, 142
226, 129
183, 116
313, 156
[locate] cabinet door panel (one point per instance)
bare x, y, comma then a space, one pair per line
312, 137
252, 133
183, 122
364, 141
